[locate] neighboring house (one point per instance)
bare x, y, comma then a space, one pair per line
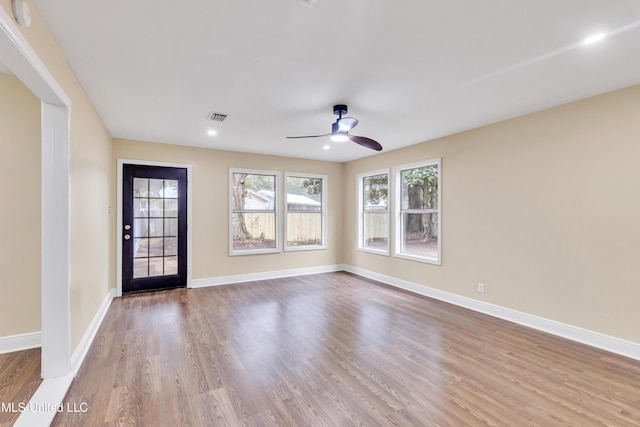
264, 199
297, 202
258, 200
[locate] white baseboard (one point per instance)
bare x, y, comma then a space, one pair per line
20, 342
51, 392
48, 398
584, 336
90, 334
252, 277
45, 403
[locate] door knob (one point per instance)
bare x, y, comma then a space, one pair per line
127, 227
127, 236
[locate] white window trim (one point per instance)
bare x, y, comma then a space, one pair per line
397, 170
360, 212
325, 185
278, 194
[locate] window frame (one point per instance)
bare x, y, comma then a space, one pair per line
275, 211
323, 211
399, 232
361, 211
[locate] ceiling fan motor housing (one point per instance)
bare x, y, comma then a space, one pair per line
339, 109
340, 130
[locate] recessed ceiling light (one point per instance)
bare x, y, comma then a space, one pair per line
212, 132
594, 38
326, 147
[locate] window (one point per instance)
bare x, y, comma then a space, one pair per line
418, 211
305, 217
254, 212
373, 212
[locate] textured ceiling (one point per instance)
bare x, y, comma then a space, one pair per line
410, 71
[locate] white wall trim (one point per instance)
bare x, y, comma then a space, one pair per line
573, 333
43, 405
20, 342
56, 241
90, 334
252, 277
52, 391
22, 60
121, 163
55, 338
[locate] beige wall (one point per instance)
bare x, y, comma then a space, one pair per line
544, 209
20, 270
91, 257
210, 210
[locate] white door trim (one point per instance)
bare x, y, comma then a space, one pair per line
121, 163
21, 59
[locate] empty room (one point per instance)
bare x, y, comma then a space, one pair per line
309, 212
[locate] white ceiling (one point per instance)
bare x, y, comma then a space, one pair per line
410, 71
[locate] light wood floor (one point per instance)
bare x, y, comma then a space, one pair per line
19, 379
337, 350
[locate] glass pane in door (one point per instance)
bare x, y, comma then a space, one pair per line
155, 210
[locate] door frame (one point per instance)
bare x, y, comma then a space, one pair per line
18, 55
119, 222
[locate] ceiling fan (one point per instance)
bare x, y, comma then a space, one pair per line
340, 130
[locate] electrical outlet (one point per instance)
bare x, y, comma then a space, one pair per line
481, 287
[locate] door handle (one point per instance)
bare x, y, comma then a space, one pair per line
127, 227
127, 236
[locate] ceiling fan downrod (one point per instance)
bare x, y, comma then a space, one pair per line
339, 110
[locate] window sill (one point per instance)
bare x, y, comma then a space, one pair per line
426, 260
373, 251
305, 248
254, 251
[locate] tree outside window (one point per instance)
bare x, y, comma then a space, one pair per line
418, 222
254, 211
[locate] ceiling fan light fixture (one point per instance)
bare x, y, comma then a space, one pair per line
340, 137
340, 131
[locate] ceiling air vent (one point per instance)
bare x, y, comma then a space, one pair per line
216, 117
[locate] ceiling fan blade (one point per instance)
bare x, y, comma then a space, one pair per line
307, 136
345, 124
366, 142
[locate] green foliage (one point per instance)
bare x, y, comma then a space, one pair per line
420, 188
259, 182
313, 186
376, 190
309, 187
420, 191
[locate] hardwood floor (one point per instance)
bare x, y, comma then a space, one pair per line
19, 379
337, 350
